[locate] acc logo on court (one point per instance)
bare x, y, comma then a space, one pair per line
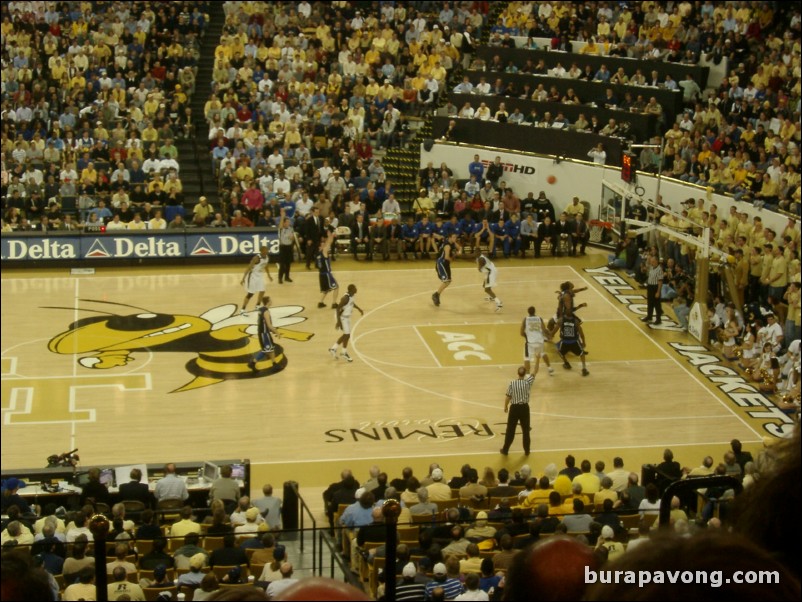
222, 339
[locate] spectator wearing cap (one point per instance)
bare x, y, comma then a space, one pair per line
272, 570
194, 576
480, 529
10, 496
202, 212
452, 587
239, 516
251, 522
233, 576
407, 588
438, 490
159, 578
336, 185
188, 550
607, 541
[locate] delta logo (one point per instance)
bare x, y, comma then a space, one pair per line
97, 251
202, 249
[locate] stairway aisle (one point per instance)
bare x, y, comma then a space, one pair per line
196, 173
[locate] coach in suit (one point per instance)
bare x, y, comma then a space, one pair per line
579, 235
313, 232
562, 232
360, 235
445, 207
545, 233
136, 491
378, 240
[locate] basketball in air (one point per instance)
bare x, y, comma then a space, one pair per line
551, 179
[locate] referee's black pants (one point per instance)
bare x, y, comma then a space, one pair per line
518, 412
284, 262
653, 305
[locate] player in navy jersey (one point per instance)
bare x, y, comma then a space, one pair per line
443, 265
572, 339
327, 282
565, 301
266, 332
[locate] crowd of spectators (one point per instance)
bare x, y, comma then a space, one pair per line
94, 96
485, 524
754, 314
741, 138
150, 548
494, 532
303, 94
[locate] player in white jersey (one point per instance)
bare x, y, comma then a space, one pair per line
488, 268
344, 311
254, 278
532, 330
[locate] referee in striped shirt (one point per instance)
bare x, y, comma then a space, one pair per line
518, 397
654, 286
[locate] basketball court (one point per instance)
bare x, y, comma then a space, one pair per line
149, 365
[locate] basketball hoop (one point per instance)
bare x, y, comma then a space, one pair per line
597, 228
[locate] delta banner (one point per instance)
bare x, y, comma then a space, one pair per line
188, 244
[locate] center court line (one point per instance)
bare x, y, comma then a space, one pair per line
667, 354
425, 344
462, 454
77, 300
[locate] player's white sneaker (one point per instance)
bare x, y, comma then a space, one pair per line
347, 357
551, 371
333, 352
499, 306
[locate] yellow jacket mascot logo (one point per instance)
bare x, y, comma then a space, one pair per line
223, 340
